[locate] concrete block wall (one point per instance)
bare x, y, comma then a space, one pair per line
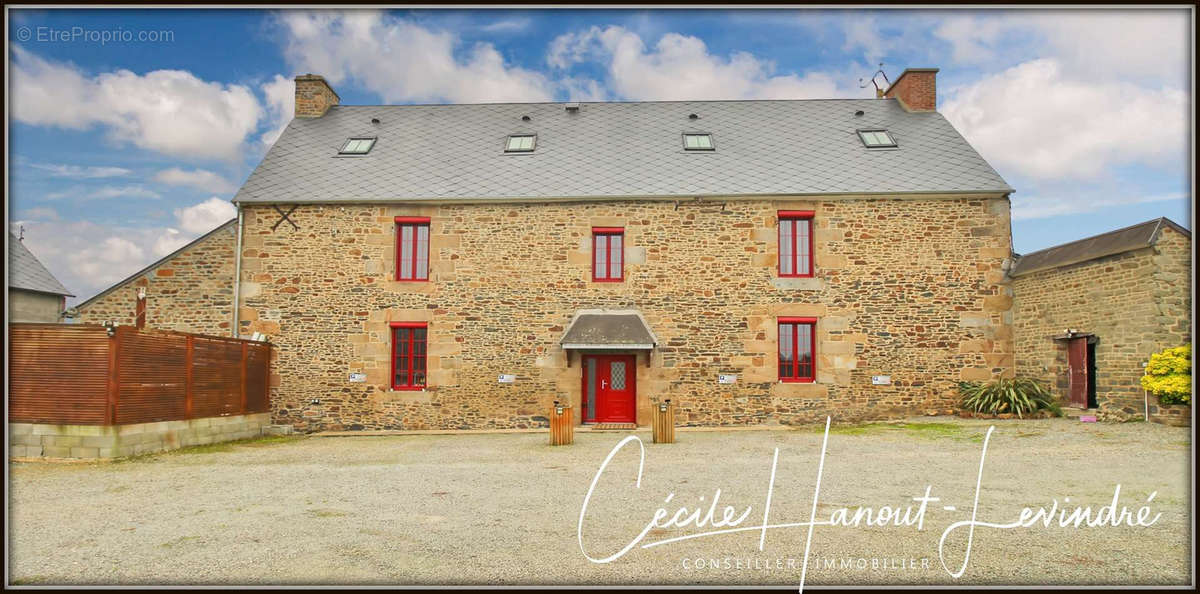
97, 441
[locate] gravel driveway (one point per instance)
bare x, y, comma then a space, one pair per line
503, 509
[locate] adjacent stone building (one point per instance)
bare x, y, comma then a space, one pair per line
189, 290
757, 262
1089, 313
34, 295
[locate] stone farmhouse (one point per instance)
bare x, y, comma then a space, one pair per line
464, 266
1089, 313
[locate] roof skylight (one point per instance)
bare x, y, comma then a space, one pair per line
698, 142
357, 146
876, 138
520, 143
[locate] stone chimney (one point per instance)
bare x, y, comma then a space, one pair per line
916, 89
314, 96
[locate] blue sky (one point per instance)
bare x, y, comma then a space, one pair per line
130, 130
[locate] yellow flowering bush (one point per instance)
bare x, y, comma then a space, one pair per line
1169, 375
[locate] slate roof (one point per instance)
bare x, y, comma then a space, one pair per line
596, 328
26, 272
1106, 244
616, 150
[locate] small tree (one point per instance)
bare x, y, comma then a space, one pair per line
1169, 375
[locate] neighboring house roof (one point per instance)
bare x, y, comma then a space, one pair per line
156, 264
805, 147
1106, 244
26, 272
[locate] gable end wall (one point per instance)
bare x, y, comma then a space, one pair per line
191, 292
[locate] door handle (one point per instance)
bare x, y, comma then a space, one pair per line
603, 384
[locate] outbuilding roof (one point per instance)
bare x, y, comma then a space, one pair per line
439, 152
26, 272
1106, 244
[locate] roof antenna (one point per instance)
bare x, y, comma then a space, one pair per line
22, 232
878, 91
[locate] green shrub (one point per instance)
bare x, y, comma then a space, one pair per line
1169, 375
1019, 396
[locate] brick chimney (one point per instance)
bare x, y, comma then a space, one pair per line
314, 96
916, 89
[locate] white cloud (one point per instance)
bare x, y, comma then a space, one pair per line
1110, 44
679, 67
77, 171
972, 39
167, 111
281, 106
403, 62
101, 262
169, 241
88, 257
1067, 202
205, 216
122, 192
197, 178
508, 26
42, 213
1033, 121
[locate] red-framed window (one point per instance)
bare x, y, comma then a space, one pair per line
412, 248
795, 243
409, 352
797, 349
608, 254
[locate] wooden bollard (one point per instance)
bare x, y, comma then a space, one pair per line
664, 422
562, 428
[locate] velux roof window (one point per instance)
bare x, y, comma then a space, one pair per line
357, 146
698, 142
520, 143
876, 138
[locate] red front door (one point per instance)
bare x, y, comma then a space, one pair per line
609, 388
1077, 359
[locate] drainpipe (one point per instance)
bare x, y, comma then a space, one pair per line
237, 275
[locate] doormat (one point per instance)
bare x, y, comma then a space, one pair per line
614, 427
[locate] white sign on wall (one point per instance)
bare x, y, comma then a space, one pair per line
507, 378
726, 378
358, 377
881, 380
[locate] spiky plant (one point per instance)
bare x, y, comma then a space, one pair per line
1019, 396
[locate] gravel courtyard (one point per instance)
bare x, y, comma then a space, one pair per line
504, 509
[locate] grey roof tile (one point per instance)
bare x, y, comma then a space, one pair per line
26, 272
616, 149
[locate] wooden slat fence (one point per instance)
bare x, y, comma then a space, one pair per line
80, 375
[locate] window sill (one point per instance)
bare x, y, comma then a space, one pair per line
798, 381
798, 283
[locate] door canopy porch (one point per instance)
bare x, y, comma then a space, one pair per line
608, 330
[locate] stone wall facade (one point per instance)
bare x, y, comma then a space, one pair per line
191, 291
32, 306
912, 288
1135, 303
